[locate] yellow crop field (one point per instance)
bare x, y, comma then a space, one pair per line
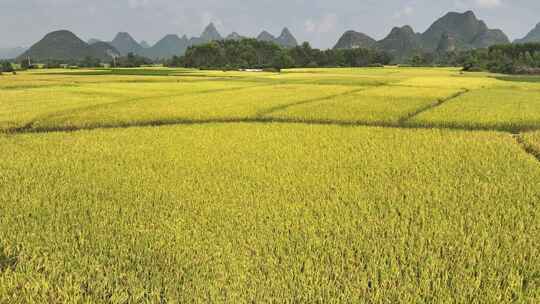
383, 105
532, 142
512, 109
375, 185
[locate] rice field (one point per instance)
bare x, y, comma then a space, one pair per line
310, 186
373, 105
516, 110
531, 141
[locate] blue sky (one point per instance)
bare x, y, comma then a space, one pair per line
321, 22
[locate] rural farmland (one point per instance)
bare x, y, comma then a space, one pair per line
174, 185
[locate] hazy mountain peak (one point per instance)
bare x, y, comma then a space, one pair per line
286, 39
102, 47
123, 35
469, 14
266, 36
286, 32
167, 47
125, 44
466, 28
210, 33
402, 42
93, 40
234, 36
171, 36
353, 40
61, 33
65, 45
532, 36
406, 29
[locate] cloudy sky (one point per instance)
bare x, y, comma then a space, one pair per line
320, 22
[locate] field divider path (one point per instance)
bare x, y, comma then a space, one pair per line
31, 129
264, 113
262, 117
528, 148
402, 121
29, 126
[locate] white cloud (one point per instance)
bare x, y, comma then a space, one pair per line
408, 10
488, 3
465, 4
325, 24
138, 3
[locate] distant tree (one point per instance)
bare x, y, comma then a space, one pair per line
90, 62
282, 60
506, 59
302, 55
423, 59
175, 61
130, 61
5, 66
536, 59
25, 64
251, 53
53, 64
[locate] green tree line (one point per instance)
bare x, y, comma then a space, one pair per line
6, 67
251, 53
505, 59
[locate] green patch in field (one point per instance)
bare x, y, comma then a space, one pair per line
534, 79
127, 72
7, 261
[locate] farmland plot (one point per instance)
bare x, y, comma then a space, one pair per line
316, 185
501, 109
379, 105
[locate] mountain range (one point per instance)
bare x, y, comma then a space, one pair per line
532, 36
167, 47
172, 44
64, 45
453, 31
285, 39
125, 44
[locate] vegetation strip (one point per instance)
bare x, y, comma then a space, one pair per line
263, 113
526, 146
512, 107
29, 129
439, 102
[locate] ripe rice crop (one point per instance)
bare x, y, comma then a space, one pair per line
105, 105
163, 185
19, 107
502, 109
454, 81
243, 213
532, 142
386, 104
